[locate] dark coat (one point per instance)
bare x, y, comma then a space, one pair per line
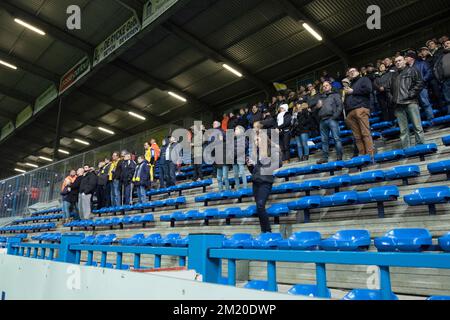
362, 88
88, 183
424, 68
128, 167
332, 106
102, 176
232, 123
286, 126
255, 117
118, 171
141, 176
405, 86
303, 123
442, 66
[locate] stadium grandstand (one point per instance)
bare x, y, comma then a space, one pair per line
110, 108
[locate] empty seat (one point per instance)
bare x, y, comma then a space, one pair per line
228, 213
446, 140
331, 166
379, 195
304, 240
261, 285
444, 242
337, 182
441, 120
278, 209
438, 298
421, 150
264, 241
238, 240
382, 125
309, 202
428, 196
366, 294
133, 241
194, 215
402, 172
169, 240
440, 167
310, 290
404, 240
339, 199
358, 162
347, 240
393, 155
152, 239
368, 177
390, 133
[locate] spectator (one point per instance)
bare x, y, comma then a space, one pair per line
102, 181
284, 126
232, 123
240, 154
357, 109
242, 119
256, 115
389, 64
225, 122
141, 179
163, 164
301, 124
114, 179
87, 187
405, 86
197, 159
128, 168
73, 195
221, 166
380, 85
426, 73
152, 153
442, 73
330, 109
65, 190
173, 160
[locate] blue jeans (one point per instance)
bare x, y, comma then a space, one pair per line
426, 104
115, 193
142, 194
239, 172
66, 209
446, 94
261, 192
302, 144
327, 126
409, 112
222, 177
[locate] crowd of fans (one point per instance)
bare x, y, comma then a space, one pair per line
398, 87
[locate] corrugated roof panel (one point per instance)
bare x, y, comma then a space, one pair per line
195, 74
32, 85
182, 61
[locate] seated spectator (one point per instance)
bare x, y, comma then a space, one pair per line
405, 86
357, 109
330, 109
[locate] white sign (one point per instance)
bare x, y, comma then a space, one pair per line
117, 39
153, 9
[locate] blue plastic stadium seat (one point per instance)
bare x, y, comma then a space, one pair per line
438, 298
446, 140
337, 182
444, 242
441, 120
238, 240
194, 215
152, 239
347, 240
229, 213
331, 166
366, 294
421, 150
133, 241
346, 133
393, 155
368, 177
170, 239
264, 241
244, 193
382, 125
103, 239
431, 195
402, 172
304, 240
309, 202
379, 194
278, 209
308, 186
260, 285
310, 290
440, 167
339, 199
390, 133
374, 120
211, 213
404, 240
358, 162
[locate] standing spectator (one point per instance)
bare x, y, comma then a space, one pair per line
163, 164
233, 122
284, 126
406, 84
197, 159
65, 190
108, 186
357, 109
102, 180
128, 167
330, 109
74, 192
87, 187
141, 179
426, 73
256, 115
173, 161
114, 179
224, 123
380, 85
442, 73
220, 163
242, 120
240, 154
301, 124
152, 157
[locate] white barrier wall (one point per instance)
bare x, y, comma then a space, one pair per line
31, 279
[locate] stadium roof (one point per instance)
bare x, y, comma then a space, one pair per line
183, 52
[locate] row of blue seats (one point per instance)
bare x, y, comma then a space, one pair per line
396, 240
395, 132
39, 218
33, 227
156, 240
176, 202
358, 162
401, 172
47, 211
53, 237
181, 187
112, 222
5, 239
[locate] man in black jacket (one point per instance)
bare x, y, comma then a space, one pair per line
284, 126
128, 167
102, 181
404, 89
357, 108
330, 109
442, 73
87, 188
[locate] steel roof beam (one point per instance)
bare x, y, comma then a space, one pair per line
216, 56
294, 12
134, 6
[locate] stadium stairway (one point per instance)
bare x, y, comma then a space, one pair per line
327, 221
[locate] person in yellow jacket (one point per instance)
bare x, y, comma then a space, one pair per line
152, 153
